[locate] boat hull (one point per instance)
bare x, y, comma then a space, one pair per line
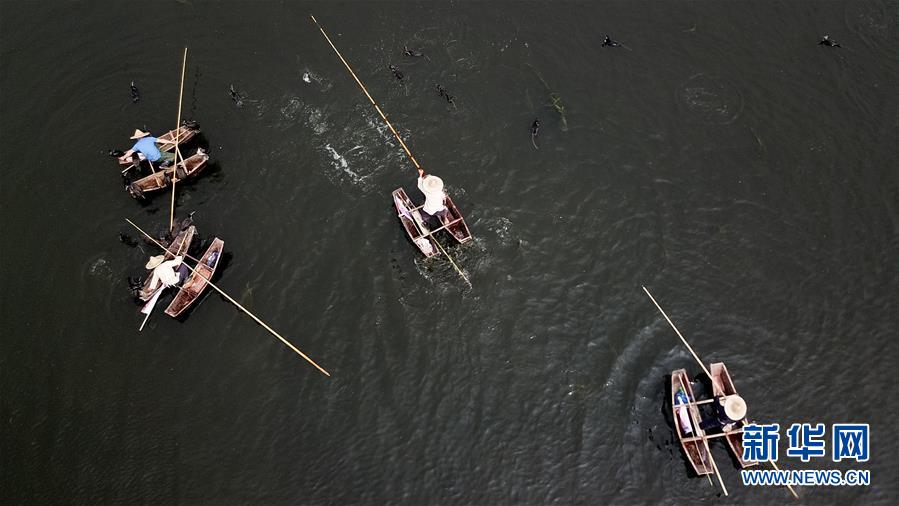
692, 441
723, 386
187, 169
199, 279
420, 232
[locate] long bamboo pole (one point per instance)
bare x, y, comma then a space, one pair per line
245, 310
774, 465
377, 108
177, 140
714, 466
448, 257
421, 171
695, 356
789, 487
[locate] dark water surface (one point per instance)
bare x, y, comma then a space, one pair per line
745, 174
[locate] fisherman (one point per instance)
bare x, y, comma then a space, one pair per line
146, 144
729, 410
435, 198
163, 271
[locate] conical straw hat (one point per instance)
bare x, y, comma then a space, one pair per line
735, 407
155, 261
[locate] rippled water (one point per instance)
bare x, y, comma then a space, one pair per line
743, 173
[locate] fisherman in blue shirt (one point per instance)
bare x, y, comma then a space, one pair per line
146, 144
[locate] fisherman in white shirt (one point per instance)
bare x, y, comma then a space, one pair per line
432, 188
164, 272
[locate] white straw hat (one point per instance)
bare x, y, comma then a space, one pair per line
735, 407
432, 184
155, 261
138, 133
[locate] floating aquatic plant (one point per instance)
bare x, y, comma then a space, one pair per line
555, 100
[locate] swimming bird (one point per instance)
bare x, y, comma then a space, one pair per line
135, 93
135, 284
443, 93
827, 41
183, 223
127, 240
411, 52
535, 129
235, 96
608, 41
396, 73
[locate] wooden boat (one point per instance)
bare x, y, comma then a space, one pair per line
192, 288
187, 168
178, 247
188, 130
722, 386
420, 233
691, 435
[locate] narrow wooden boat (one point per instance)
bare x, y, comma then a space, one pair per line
723, 386
178, 247
198, 280
187, 169
686, 423
413, 222
420, 232
189, 129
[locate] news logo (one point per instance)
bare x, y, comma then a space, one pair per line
848, 441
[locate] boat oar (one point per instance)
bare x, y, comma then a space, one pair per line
148, 307
421, 171
231, 300
695, 356
177, 140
